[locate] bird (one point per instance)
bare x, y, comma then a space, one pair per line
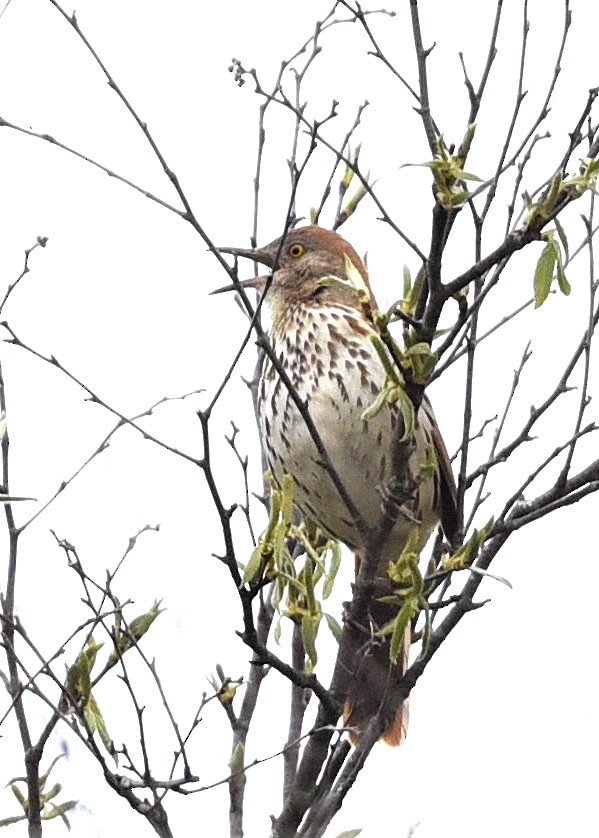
321, 335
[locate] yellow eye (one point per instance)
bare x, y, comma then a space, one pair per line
296, 250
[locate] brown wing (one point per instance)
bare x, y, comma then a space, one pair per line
449, 513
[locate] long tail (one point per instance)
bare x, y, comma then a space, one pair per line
372, 676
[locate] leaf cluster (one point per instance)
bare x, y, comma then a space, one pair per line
274, 559
49, 808
448, 174
78, 689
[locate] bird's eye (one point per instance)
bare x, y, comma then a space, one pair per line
296, 250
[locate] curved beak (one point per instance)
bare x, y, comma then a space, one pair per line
261, 254
264, 255
257, 282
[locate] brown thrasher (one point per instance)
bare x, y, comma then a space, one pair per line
321, 336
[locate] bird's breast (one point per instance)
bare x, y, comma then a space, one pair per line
336, 373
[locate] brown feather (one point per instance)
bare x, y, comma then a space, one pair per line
450, 516
373, 675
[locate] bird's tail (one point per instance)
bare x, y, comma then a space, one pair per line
373, 676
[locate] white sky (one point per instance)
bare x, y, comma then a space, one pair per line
503, 735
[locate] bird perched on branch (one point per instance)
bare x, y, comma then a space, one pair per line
322, 335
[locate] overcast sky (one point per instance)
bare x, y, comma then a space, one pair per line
503, 734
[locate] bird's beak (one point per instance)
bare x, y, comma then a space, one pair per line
257, 282
262, 255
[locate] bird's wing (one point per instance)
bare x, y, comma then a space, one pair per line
450, 516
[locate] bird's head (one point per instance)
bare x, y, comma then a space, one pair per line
310, 266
